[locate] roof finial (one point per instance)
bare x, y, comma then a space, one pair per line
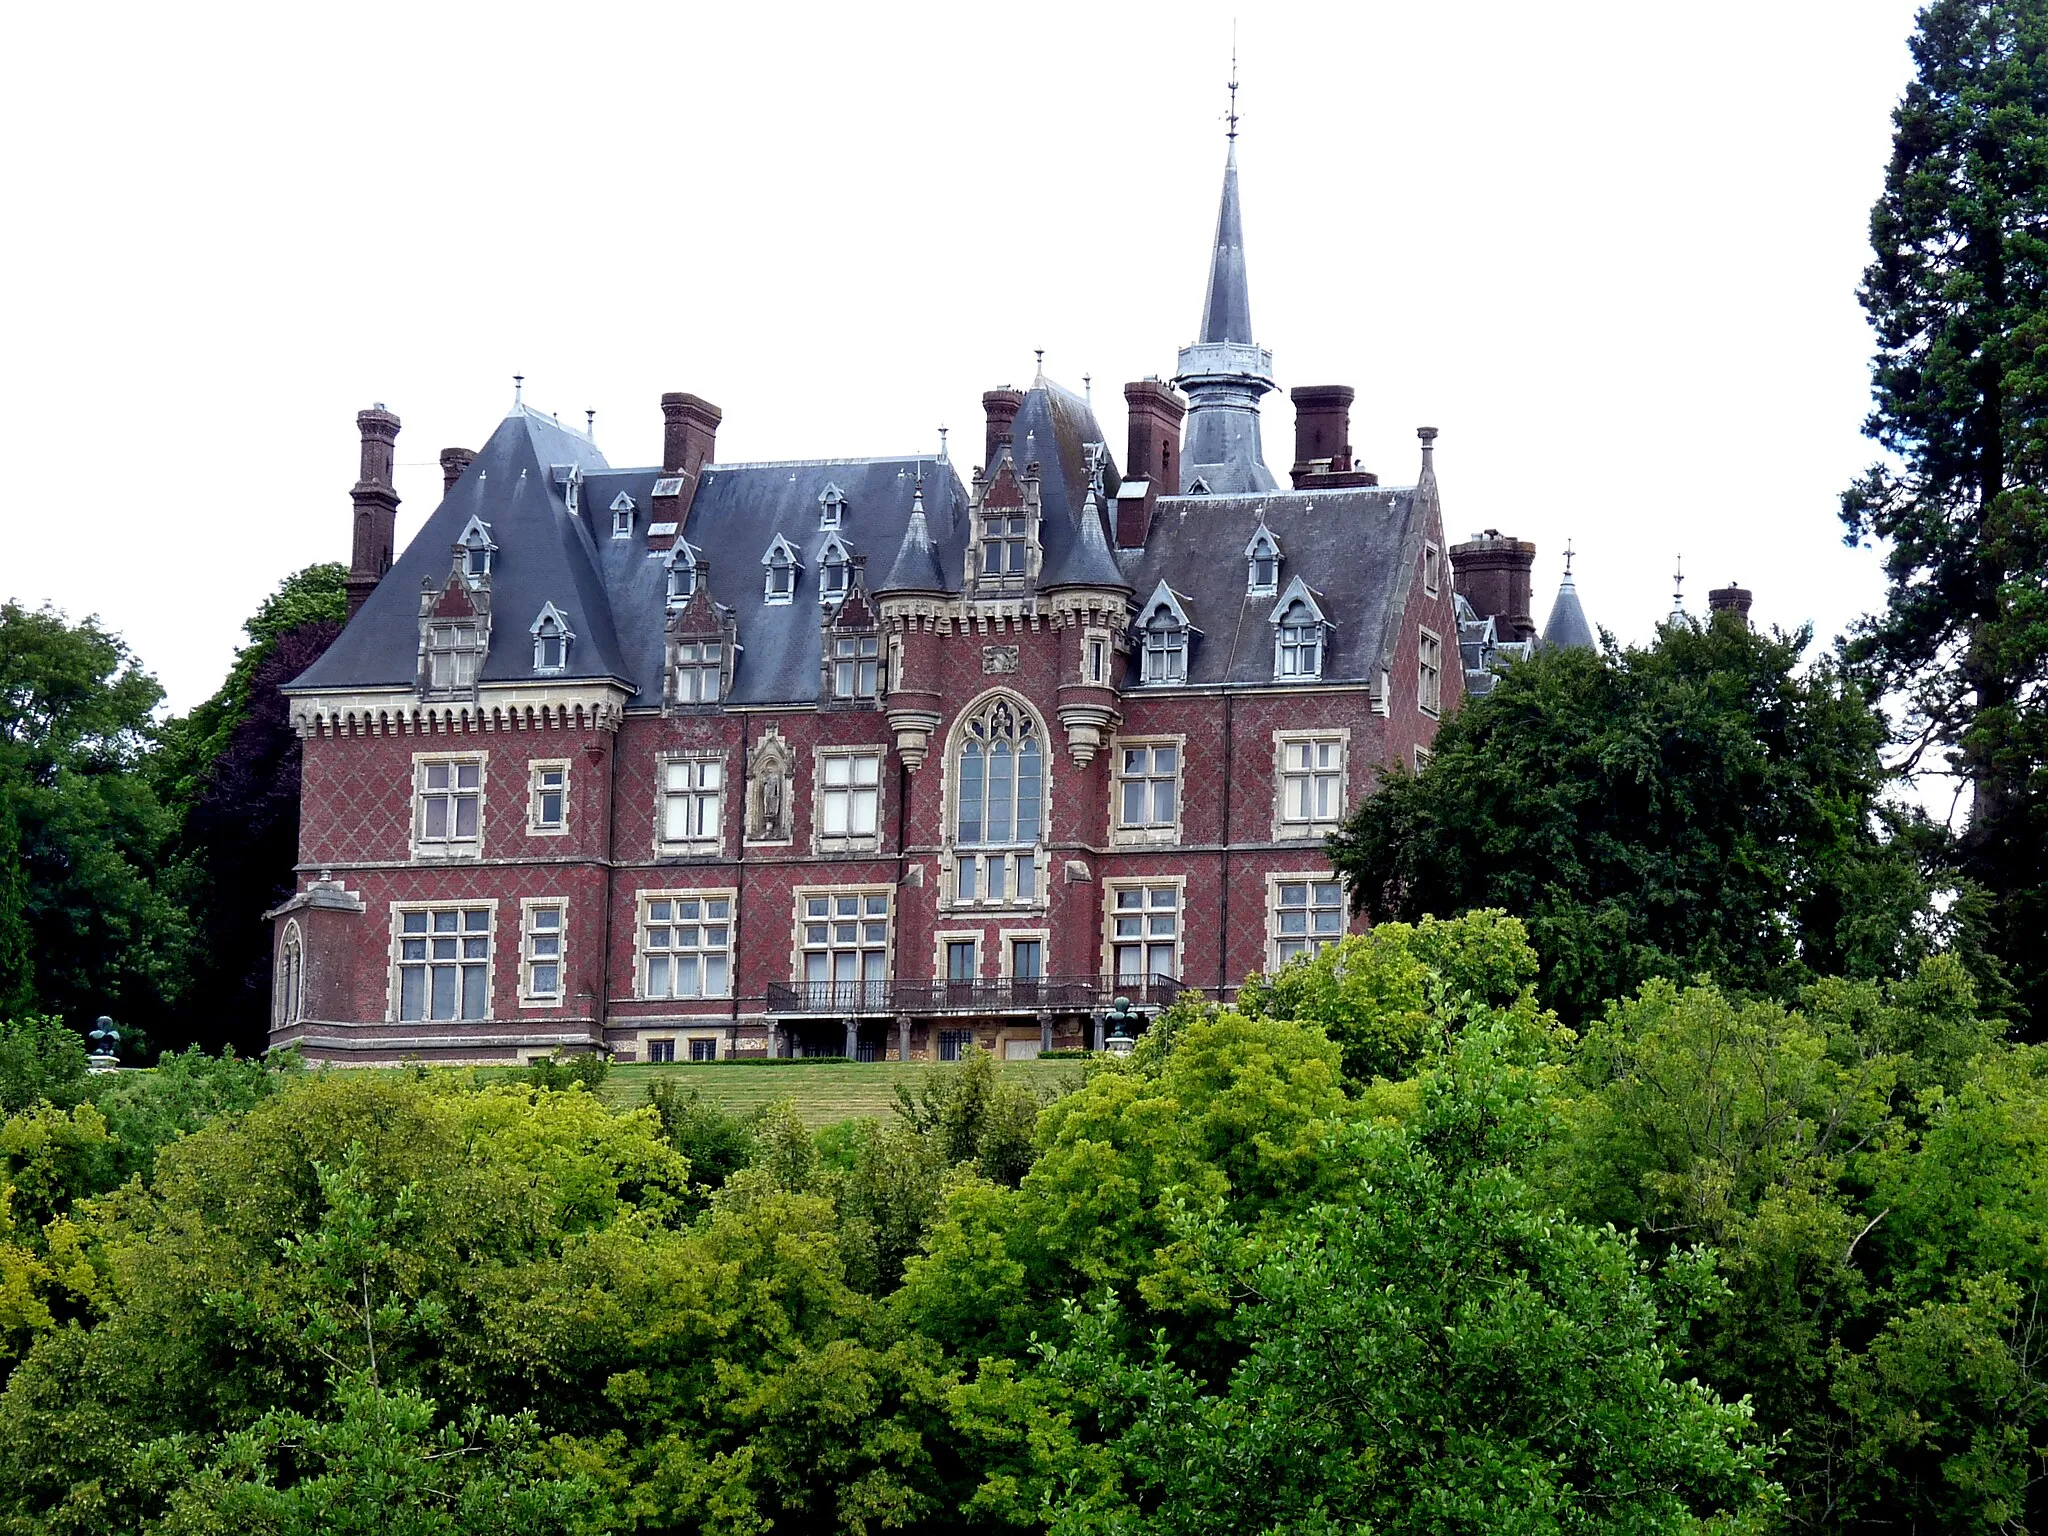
942, 452
590, 425
1231, 134
518, 386
1088, 387
1039, 353
1567, 559
1678, 589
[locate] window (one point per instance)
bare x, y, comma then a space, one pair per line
543, 953
856, 664
551, 639
682, 575
962, 960
999, 797
291, 975
1166, 650
845, 947
692, 795
781, 563
661, 1050
1432, 570
1095, 668
452, 656
1422, 758
831, 507
849, 794
703, 1050
955, 1043
1311, 784
444, 959
1299, 642
685, 946
1307, 915
700, 671
476, 549
1027, 959
1262, 556
1005, 549
622, 516
1148, 787
548, 808
835, 568
1144, 932
1429, 682
450, 806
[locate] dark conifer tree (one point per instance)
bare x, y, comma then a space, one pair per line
1958, 295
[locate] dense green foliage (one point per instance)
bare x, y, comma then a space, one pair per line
1957, 293
1702, 805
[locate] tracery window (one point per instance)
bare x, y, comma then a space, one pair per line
999, 805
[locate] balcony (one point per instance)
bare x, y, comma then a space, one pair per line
981, 996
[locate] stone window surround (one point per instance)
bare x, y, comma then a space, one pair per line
732, 944
547, 999
289, 988
534, 826
945, 936
396, 910
823, 842
696, 845
1144, 882
1432, 569
467, 850
1279, 877
1286, 829
948, 825
1006, 956
1121, 836
1422, 691
802, 893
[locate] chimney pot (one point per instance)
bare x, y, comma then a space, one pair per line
1001, 406
1730, 599
376, 506
453, 462
1492, 571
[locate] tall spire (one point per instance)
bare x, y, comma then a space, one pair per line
1225, 372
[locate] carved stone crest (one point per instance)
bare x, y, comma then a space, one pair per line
771, 767
998, 659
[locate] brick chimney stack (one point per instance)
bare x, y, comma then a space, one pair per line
453, 462
1322, 438
1156, 412
1002, 406
1492, 571
689, 435
376, 503
1730, 599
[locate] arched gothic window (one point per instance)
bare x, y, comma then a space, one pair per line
1262, 556
291, 975
998, 805
1166, 648
551, 637
1299, 642
682, 574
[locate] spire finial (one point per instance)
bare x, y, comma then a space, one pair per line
1088, 387
1567, 559
518, 387
1231, 117
1039, 353
590, 425
942, 452
1678, 587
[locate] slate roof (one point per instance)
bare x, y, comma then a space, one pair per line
1567, 627
1227, 305
1355, 547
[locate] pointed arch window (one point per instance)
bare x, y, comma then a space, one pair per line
1262, 561
835, 570
998, 805
622, 516
1164, 635
476, 549
831, 507
551, 637
782, 566
682, 574
1299, 629
291, 974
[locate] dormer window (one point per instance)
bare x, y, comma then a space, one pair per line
835, 568
1005, 547
1199, 488
476, 549
551, 637
1262, 558
1298, 628
622, 516
1164, 634
452, 657
682, 574
570, 478
831, 507
782, 566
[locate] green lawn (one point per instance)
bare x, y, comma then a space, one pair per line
822, 1094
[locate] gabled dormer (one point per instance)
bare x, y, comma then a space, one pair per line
850, 647
783, 565
474, 549
570, 478
1164, 636
1299, 630
1004, 551
622, 516
831, 507
835, 570
455, 632
551, 640
680, 573
701, 647
1262, 563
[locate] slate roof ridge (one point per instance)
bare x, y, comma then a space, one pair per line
881, 458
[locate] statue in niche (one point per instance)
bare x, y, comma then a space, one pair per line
769, 769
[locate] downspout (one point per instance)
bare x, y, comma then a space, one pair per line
1223, 936
739, 899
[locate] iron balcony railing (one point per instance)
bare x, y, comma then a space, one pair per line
984, 994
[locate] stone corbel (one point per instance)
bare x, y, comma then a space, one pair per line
1087, 726
913, 728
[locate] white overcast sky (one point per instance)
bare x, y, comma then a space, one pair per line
1609, 249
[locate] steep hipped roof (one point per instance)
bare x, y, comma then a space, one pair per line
543, 555
1567, 627
916, 567
1227, 303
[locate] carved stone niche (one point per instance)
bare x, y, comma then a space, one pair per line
771, 776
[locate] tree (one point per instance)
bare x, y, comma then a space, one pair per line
94, 844
232, 767
1957, 293
1700, 805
